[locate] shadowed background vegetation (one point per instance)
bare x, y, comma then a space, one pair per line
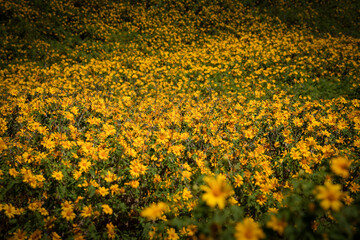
47, 32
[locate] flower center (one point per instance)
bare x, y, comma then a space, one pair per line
331, 197
216, 192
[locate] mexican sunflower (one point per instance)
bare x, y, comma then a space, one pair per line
248, 230
330, 196
217, 191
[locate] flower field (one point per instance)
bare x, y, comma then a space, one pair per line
179, 120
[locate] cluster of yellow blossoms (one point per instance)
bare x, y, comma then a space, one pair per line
166, 109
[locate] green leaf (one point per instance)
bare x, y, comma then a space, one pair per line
91, 191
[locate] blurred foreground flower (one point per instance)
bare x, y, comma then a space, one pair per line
154, 211
276, 224
340, 166
330, 196
248, 230
216, 191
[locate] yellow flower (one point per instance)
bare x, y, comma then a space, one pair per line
154, 211
340, 166
104, 154
110, 177
133, 184
67, 204
261, 199
273, 210
190, 230
137, 169
74, 110
28, 177
36, 235
107, 209
354, 187
10, 210
87, 211
48, 143
84, 165
2, 145
186, 194
172, 235
330, 196
58, 175
109, 129
276, 224
40, 178
157, 178
43, 212
163, 136
248, 230
238, 180
152, 233
233, 201
13, 172
19, 235
177, 149
115, 189
34, 205
103, 191
110, 230
186, 174
77, 174
216, 191
94, 121
67, 210
348, 200
79, 236
298, 122
55, 236
68, 213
